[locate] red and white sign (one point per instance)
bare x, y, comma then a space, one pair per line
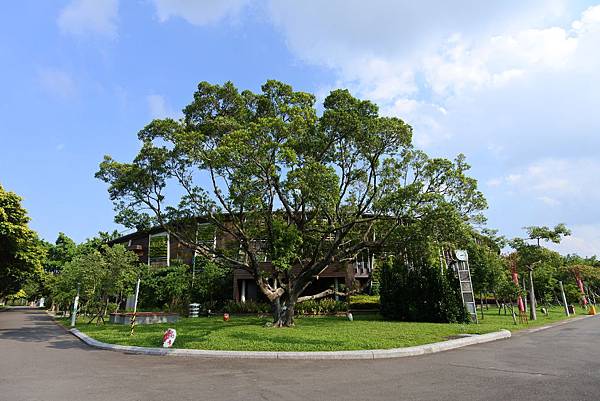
169, 338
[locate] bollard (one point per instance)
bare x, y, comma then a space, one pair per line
592, 310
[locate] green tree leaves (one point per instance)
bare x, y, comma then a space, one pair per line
103, 272
21, 252
547, 234
265, 168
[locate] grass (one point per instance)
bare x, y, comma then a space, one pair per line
244, 333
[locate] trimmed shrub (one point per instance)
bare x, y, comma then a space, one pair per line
249, 306
421, 294
364, 302
376, 280
322, 307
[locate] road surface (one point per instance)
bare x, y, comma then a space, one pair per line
41, 361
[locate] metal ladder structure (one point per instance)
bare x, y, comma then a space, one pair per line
460, 263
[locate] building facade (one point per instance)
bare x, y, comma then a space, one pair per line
157, 248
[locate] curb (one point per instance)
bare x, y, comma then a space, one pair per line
551, 325
363, 354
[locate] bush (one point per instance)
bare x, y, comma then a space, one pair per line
166, 287
421, 294
376, 280
249, 306
364, 302
324, 306
212, 286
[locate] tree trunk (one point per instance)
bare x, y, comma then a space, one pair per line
532, 311
481, 302
117, 302
283, 311
512, 312
105, 310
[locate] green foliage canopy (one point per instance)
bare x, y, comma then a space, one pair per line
279, 179
21, 252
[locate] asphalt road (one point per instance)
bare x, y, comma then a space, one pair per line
41, 361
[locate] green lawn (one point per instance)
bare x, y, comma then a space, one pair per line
310, 333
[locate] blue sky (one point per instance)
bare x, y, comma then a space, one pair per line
514, 85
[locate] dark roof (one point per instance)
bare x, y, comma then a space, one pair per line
136, 234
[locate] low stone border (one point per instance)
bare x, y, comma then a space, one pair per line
363, 354
551, 325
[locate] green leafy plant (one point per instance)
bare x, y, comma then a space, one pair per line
246, 307
421, 293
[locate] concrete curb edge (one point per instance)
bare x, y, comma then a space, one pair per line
362, 354
554, 324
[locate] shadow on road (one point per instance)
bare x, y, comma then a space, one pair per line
41, 329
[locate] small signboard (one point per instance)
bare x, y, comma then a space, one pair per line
169, 338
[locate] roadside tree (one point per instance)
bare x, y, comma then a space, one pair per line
539, 261
21, 251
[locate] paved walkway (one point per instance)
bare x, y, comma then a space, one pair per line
40, 361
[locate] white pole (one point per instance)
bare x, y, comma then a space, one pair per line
137, 293
243, 297
562, 291
75, 305
135, 302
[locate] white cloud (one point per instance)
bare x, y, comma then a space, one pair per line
494, 182
339, 31
514, 85
57, 82
382, 47
462, 65
158, 107
584, 241
90, 17
554, 181
549, 201
198, 12
446, 54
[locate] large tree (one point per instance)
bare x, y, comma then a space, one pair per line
21, 251
307, 190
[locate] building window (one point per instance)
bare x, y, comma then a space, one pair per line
158, 250
206, 234
363, 262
